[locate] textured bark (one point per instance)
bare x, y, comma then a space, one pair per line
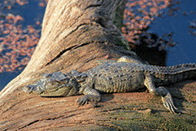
75, 34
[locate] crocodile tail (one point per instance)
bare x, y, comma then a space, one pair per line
173, 74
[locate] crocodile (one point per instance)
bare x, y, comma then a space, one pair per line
124, 75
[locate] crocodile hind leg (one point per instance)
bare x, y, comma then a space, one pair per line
90, 95
160, 91
128, 59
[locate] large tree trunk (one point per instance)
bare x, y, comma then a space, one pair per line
76, 33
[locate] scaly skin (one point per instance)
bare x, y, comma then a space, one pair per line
125, 75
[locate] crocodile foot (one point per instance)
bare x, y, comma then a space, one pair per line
167, 99
87, 98
168, 103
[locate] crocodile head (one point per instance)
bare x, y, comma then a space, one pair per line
51, 86
67, 87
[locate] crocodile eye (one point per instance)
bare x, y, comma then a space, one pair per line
65, 81
53, 83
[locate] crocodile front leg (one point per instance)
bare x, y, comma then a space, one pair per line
160, 91
90, 95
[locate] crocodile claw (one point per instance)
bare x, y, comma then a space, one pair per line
82, 100
168, 103
87, 98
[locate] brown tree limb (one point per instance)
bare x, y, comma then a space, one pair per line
74, 35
